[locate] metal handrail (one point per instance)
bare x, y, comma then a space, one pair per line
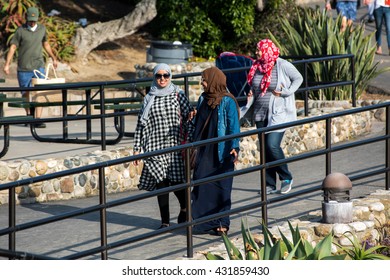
104, 205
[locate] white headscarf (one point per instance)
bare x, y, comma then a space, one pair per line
156, 90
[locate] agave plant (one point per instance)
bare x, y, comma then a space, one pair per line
362, 251
277, 249
60, 35
316, 34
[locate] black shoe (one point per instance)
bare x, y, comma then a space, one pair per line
163, 226
182, 217
40, 125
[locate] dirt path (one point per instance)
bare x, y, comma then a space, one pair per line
113, 61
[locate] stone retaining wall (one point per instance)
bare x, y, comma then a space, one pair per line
370, 214
126, 176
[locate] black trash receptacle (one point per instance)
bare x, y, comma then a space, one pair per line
169, 52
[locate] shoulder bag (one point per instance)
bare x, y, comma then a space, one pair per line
194, 151
38, 80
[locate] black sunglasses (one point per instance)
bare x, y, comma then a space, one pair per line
159, 76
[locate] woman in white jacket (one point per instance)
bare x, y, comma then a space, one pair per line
273, 82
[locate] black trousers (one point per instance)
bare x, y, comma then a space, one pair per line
163, 200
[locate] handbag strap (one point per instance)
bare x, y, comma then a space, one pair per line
205, 124
38, 74
50, 65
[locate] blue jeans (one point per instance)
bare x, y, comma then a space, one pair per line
382, 14
24, 77
273, 152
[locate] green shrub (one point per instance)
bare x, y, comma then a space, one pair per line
12, 15
278, 249
210, 26
60, 34
314, 33
268, 19
363, 251
299, 249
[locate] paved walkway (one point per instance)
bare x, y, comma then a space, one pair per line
142, 217
127, 221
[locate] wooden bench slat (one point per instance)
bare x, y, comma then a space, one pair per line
71, 102
119, 106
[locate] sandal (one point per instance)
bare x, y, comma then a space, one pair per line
221, 230
182, 218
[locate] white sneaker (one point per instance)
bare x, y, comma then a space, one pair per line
286, 186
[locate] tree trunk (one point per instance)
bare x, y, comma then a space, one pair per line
90, 37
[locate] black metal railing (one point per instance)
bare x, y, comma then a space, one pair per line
103, 205
264, 202
134, 85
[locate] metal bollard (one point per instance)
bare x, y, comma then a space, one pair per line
337, 205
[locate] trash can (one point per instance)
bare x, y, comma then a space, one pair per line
168, 52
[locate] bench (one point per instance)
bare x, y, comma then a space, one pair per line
87, 103
33, 104
13, 120
7, 121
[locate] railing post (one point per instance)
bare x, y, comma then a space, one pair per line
88, 113
328, 140
187, 86
102, 119
11, 219
187, 170
103, 213
387, 180
306, 97
263, 187
65, 113
353, 79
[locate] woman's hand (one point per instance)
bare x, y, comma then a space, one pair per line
191, 115
235, 154
278, 93
136, 162
328, 7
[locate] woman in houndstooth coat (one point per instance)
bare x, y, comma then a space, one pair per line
165, 114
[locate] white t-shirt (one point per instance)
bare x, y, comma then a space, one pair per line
382, 3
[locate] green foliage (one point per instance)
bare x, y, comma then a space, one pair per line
268, 19
278, 249
362, 251
315, 33
12, 15
60, 32
210, 26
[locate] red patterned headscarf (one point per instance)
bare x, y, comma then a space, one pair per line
269, 54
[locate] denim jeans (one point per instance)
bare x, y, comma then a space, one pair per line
24, 77
273, 152
382, 14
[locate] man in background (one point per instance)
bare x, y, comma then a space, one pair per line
30, 40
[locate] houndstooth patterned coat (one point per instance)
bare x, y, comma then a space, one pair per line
161, 131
